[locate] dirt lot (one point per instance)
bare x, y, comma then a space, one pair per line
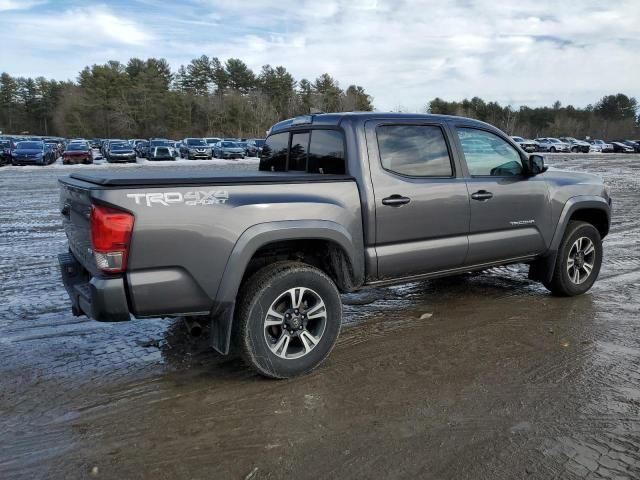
500, 380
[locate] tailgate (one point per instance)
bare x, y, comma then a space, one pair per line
75, 207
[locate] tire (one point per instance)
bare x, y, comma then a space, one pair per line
574, 150
552, 150
578, 237
265, 348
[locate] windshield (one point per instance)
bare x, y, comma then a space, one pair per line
159, 143
196, 142
5, 143
518, 139
76, 146
229, 145
30, 145
259, 143
212, 140
120, 146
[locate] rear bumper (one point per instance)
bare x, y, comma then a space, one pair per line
102, 299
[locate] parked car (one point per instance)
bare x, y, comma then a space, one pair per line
120, 151
95, 143
526, 145
142, 148
105, 145
158, 142
633, 144
273, 286
77, 153
7, 146
195, 148
576, 145
621, 147
211, 141
552, 145
257, 142
32, 153
249, 150
161, 153
226, 149
600, 146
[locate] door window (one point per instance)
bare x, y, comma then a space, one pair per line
487, 154
414, 150
326, 152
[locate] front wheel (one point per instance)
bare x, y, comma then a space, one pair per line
578, 261
288, 319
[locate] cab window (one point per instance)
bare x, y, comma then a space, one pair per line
414, 150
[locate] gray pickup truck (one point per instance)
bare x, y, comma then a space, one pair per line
340, 202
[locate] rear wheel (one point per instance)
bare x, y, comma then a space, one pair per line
552, 150
288, 320
578, 261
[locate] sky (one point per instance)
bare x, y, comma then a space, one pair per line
404, 53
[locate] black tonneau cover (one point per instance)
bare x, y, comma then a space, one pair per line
214, 177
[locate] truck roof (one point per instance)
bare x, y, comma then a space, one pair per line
335, 119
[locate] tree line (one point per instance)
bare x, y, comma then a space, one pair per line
207, 97
611, 117
144, 98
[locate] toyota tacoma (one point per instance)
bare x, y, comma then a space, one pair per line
340, 202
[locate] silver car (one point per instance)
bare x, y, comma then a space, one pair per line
552, 145
600, 146
225, 149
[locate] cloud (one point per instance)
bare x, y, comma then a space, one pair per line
6, 5
403, 52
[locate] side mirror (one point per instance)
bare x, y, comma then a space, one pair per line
536, 164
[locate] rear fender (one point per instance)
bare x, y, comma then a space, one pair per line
263, 234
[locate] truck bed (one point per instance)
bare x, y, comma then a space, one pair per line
175, 177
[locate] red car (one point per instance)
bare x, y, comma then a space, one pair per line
77, 153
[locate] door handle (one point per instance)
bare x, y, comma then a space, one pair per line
395, 200
482, 195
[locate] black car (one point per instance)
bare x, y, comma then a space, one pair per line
95, 143
32, 153
120, 152
157, 142
635, 144
161, 153
621, 147
142, 148
6, 148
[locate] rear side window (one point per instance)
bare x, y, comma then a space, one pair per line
274, 153
414, 150
326, 152
298, 152
315, 151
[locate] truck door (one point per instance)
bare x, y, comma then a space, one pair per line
509, 210
421, 198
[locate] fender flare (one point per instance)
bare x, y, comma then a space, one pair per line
258, 236
542, 268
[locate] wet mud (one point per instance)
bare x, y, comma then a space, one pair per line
482, 376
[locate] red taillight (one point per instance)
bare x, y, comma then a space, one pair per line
110, 236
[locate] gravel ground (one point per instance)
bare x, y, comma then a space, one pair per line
498, 380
